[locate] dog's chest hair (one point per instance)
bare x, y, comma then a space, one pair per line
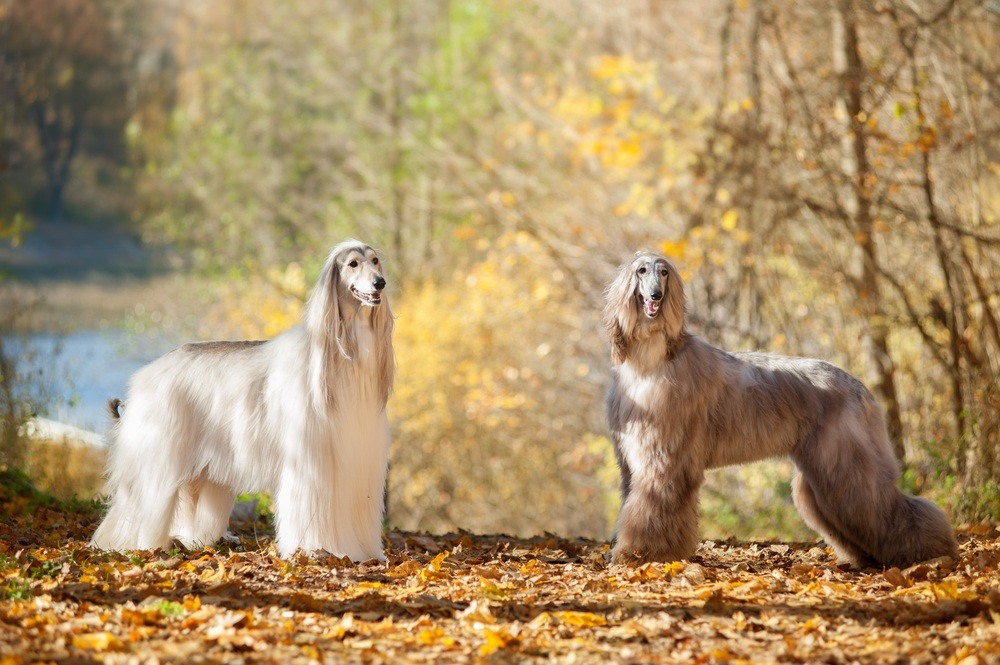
644, 396
643, 389
357, 385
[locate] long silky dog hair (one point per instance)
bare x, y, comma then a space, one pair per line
679, 406
302, 416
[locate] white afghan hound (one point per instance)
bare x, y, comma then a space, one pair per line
302, 415
678, 406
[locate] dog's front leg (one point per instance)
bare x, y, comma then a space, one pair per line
659, 516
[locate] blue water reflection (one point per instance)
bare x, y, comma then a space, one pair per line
77, 373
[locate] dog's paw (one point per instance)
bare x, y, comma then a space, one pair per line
628, 556
635, 556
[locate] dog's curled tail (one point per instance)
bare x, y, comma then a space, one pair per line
113, 408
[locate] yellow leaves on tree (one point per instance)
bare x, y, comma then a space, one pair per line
492, 419
623, 124
263, 308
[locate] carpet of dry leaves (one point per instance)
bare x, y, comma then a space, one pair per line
463, 597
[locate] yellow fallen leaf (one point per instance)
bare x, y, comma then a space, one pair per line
433, 569
812, 624
435, 635
478, 614
580, 619
102, 641
405, 569
492, 590
495, 639
674, 568
211, 575
721, 655
540, 621
948, 590
342, 629
647, 571
139, 617
532, 567
137, 634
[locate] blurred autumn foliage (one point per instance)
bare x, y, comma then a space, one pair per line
490, 362
826, 176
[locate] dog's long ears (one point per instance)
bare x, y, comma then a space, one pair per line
619, 343
674, 306
383, 322
620, 317
323, 326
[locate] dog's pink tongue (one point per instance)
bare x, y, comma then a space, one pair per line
652, 307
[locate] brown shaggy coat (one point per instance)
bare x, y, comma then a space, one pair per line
679, 406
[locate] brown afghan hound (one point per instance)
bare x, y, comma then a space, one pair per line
678, 406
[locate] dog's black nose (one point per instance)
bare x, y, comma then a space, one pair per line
656, 295
379, 283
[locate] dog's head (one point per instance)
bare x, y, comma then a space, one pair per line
349, 295
351, 287
645, 296
652, 275
358, 273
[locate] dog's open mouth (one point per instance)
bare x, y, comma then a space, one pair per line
650, 307
367, 298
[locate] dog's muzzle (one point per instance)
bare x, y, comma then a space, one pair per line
370, 298
651, 306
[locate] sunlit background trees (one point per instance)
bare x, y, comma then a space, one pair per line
826, 175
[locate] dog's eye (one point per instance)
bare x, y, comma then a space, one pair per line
353, 264
664, 272
642, 270
375, 260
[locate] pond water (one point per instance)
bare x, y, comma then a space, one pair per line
75, 374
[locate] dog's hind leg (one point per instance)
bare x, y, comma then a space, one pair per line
851, 475
119, 528
142, 482
809, 510
141, 504
202, 512
137, 519
153, 509
182, 525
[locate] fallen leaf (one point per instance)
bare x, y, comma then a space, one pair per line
579, 619
895, 577
102, 641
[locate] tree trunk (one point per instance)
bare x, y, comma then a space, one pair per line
858, 205
59, 147
397, 194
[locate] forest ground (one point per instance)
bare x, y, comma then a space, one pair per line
463, 597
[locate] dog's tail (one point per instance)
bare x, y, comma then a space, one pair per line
113, 408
